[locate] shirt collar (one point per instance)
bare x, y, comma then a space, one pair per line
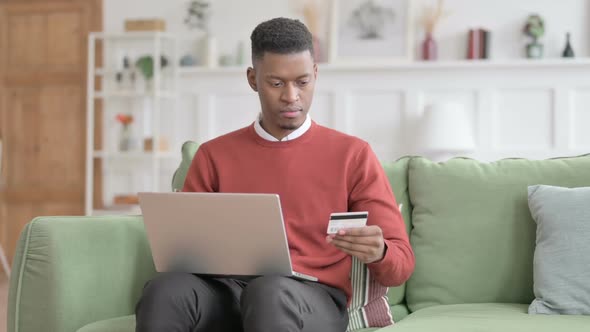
295, 134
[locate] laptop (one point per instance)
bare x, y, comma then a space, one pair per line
217, 234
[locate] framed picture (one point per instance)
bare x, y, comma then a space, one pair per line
371, 31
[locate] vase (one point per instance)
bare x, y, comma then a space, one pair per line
209, 45
125, 139
534, 50
568, 51
429, 48
317, 49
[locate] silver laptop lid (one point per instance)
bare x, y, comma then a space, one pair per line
216, 233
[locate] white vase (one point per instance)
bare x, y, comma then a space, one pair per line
211, 51
126, 139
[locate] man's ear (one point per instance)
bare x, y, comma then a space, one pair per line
315, 71
251, 75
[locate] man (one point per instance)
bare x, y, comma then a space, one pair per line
315, 171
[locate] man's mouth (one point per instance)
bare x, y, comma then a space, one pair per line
291, 112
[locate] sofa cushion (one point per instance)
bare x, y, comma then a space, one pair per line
399, 312
473, 234
127, 324
486, 317
561, 267
119, 324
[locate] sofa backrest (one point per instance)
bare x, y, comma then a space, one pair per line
473, 234
397, 172
189, 148
469, 224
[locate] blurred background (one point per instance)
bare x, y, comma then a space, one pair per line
98, 96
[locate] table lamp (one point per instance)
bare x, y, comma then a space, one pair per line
445, 131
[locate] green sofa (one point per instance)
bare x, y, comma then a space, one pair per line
469, 225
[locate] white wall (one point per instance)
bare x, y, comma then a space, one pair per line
233, 21
514, 112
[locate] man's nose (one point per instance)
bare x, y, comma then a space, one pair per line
290, 93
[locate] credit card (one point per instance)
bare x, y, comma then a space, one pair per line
347, 220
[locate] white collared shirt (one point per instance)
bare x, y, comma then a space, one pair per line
295, 134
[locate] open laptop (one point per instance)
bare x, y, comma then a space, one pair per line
217, 234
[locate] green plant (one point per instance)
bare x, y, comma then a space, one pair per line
534, 27
198, 15
145, 64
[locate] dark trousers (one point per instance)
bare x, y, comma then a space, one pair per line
178, 302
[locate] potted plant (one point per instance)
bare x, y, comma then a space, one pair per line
432, 16
534, 28
145, 65
199, 17
125, 139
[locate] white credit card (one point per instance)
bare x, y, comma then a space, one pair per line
347, 220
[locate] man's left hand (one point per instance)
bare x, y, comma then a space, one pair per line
365, 243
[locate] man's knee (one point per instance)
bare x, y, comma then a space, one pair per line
169, 286
267, 290
269, 304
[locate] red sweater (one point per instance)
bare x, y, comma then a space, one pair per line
321, 172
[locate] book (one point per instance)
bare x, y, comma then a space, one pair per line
478, 44
473, 45
486, 44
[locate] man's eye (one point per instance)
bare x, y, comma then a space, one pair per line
276, 84
303, 83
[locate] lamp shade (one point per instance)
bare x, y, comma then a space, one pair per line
445, 127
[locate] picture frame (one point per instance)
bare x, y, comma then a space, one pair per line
371, 31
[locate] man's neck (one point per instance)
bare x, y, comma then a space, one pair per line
282, 134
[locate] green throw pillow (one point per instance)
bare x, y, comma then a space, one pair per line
561, 265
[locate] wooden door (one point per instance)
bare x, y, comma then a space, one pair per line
43, 64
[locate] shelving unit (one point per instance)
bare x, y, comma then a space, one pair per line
151, 102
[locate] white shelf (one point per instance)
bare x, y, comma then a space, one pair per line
146, 168
414, 65
135, 155
111, 71
462, 64
132, 94
133, 35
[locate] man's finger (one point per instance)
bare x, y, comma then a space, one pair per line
355, 253
353, 246
372, 241
363, 257
362, 231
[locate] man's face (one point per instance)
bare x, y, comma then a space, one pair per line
285, 84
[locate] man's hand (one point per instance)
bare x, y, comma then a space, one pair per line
365, 243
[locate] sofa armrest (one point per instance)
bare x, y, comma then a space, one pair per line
71, 271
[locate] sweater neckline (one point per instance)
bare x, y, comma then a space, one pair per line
283, 144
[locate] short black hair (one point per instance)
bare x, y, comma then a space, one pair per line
282, 36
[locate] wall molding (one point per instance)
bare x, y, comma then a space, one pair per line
519, 108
